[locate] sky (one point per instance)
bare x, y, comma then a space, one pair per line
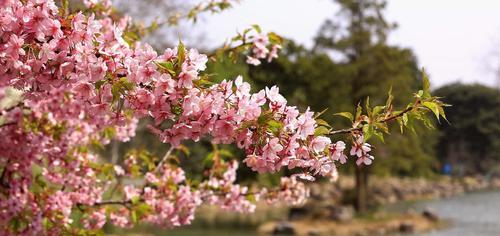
455, 41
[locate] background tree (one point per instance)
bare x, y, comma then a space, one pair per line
471, 142
358, 38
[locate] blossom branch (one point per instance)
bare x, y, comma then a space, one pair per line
359, 127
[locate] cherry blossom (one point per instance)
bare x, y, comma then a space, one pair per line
83, 86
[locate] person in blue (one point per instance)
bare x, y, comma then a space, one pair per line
447, 169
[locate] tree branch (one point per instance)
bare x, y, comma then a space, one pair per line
165, 157
385, 120
345, 131
390, 118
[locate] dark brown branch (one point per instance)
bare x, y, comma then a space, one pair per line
116, 202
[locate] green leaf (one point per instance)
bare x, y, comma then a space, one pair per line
167, 66
433, 107
257, 28
181, 54
135, 199
390, 97
274, 38
64, 7
382, 126
321, 130
226, 153
133, 216
405, 119
401, 124
347, 115
379, 135
377, 110
209, 160
441, 112
98, 84
368, 131
359, 110
109, 132
264, 118
367, 107
426, 85
322, 122
274, 126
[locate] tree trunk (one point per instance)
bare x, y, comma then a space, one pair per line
361, 189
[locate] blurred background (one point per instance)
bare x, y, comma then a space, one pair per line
444, 181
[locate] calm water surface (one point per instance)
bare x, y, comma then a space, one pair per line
474, 214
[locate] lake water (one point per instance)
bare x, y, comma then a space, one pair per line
473, 214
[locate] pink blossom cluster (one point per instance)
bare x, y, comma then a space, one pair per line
360, 149
172, 202
222, 191
291, 192
83, 85
262, 49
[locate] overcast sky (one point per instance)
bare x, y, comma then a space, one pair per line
454, 40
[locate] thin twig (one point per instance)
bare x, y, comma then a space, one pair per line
345, 131
390, 118
160, 164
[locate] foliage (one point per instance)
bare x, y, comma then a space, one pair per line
472, 137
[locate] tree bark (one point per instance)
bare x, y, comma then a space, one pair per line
361, 189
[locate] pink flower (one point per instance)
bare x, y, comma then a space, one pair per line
186, 79
365, 159
318, 144
274, 53
271, 149
118, 170
84, 90
277, 100
306, 124
198, 60
337, 152
120, 218
130, 192
253, 61
96, 220
359, 147
13, 47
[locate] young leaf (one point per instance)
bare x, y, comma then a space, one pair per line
433, 107
359, 110
321, 130
368, 131
426, 85
347, 115
181, 54
379, 135
322, 122
390, 97
257, 28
